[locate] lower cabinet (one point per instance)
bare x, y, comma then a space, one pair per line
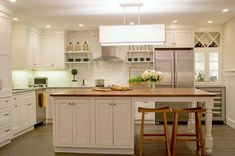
90, 123
72, 123
113, 120
23, 111
5, 121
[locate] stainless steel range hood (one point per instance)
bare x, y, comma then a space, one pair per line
108, 54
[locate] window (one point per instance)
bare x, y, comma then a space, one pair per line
207, 65
207, 56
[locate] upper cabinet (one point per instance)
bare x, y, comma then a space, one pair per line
5, 50
178, 38
5, 34
26, 48
53, 50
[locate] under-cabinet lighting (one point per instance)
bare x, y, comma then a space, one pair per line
48, 26
175, 21
131, 23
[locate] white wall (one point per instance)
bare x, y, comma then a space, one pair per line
229, 70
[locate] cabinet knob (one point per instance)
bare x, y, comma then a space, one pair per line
110, 104
16, 106
7, 130
29, 104
6, 114
114, 104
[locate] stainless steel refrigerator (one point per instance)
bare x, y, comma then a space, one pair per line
177, 66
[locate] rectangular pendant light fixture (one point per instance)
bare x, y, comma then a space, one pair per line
132, 35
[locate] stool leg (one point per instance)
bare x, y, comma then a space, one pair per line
166, 134
202, 145
197, 131
142, 134
174, 134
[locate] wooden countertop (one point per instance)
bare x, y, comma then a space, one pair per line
160, 92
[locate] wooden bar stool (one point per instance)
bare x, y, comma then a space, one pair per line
157, 137
199, 133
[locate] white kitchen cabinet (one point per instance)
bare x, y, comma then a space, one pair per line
23, 112
72, 124
16, 115
115, 116
63, 123
5, 121
5, 50
26, 48
53, 50
104, 122
5, 34
5, 76
178, 38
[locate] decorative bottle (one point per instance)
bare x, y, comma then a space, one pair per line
85, 46
69, 47
77, 47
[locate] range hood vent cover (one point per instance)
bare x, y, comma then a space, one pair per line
108, 54
132, 35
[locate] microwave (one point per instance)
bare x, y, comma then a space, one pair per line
40, 82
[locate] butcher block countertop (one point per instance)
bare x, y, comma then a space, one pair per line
159, 92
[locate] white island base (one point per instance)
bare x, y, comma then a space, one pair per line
103, 123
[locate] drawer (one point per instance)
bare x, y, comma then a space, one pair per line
5, 103
5, 114
29, 97
5, 133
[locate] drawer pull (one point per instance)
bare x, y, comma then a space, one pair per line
110, 104
114, 104
16, 106
6, 114
7, 130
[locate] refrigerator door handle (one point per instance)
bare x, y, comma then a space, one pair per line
172, 71
176, 70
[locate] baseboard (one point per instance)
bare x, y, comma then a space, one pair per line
5, 142
230, 123
94, 150
23, 132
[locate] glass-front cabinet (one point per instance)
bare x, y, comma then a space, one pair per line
207, 57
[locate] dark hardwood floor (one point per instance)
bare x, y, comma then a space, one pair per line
39, 143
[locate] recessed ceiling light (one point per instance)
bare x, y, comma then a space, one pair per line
210, 22
13, 1
80, 25
48, 26
131, 23
175, 21
225, 10
15, 19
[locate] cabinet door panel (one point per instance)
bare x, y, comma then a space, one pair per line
5, 76
47, 44
104, 122
81, 123
122, 122
30, 49
183, 38
63, 123
5, 35
58, 51
16, 115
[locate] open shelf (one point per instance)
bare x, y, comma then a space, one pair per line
206, 39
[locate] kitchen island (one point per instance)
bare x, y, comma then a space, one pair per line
87, 121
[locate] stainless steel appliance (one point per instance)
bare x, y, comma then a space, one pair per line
40, 82
40, 106
177, 66
99, 82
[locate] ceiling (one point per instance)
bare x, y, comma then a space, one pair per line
67, 14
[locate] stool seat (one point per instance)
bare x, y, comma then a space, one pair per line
186, 137
155, 137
